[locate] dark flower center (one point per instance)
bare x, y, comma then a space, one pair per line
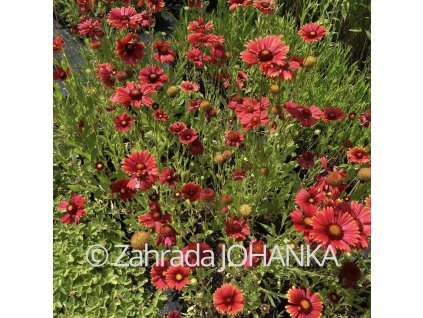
305, 113
359, 154
71, 208
236, 227
153, 77
228, 301
135, 94
123, 123
166, 230
255, 120
163, 49
265, 55
129, 47
124, 19
188, 136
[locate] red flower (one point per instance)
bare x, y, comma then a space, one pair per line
197, 57
312, 196
308, 116
155, 5
89, 27
196, 148
233, 138
174, 314
120, 187
133, 95
177, 277
125, 16
194, 105
74, 209
158, 274
284, 70
306, 160
303, 304
142, 165
238, 174
312, 32
237, 228
207, 195
191, 191
163, 53
155, 218
195, 3
85, 5
204, 250
60, 74
358, 155
176, 128
187, 86
187, 136
332, 114
338, 230
256, 247
167, 236
265, 51
129, 49
147, 18
106, 74
123, 122
302, 220
362, 217
198, 26
58, 44
265, 6
160, 115
153, 76
365, 118
169, 177
228, 299
235, 4
254, 120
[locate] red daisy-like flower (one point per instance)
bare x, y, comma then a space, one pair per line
90, 28
265, 52
167, 235
254, 120
303, 219
147, 18
237, 228
191, 191
196, 148
307, 116
120, 187
174, 314
153, 76
197, 57
142, 165
362, 217
158, 274
160, 115
85, 5
338, 230
238, 174
155, 5
265, 6
106, 74
133, 95
256, 247
332, 114
204, 250
233, 138
198, 26
163, 52
285, 70
155, 218
60, 74
303, 304
123, 122
125, 16
312, 196
188, 86
312, 32
358, 155
129, 49
74, 209
169, 177
228, 299
306, 160
177, 277
235, 4
58, 44
194, 104
187, 136
176, 128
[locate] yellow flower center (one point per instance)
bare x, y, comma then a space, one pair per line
312, 33
335, 229
179, 277
307, 221
311, 200
304, 304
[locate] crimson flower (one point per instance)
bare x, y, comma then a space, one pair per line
106, 72
187, 136
74, 209
312, 32
142, 165
358, 155
303, 304
237, 228
133, 95
58, 44
191, 191
169, 177
155, 218
163, 53
177, 277
158, 274
120, 187
123, 122
228, 299
129, 49
125, 16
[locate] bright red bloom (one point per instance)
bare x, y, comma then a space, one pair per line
362, 217
142, 165
308, 116
167, 235
174, 314
74, 209
120, 186
177, 277
265, 6
332, 114
285, 70
160, 115
251, 106
194, 104
125, 16
147, 18
155, 218
129, 49
338, 230
163, 53
203, 251
191, 191
155, 5
133, 95
201, 39
176, 128
228, 299
302, 220
365, 118
256, 247
158, 274
123, 122
238, 174
188, 86
303, 304
169, 177
254, 120
306, 160
60, 74
196, 148
153, 76
312, 32
197, 57
198, 26
233, 138
58, 44
195, 3
237, 228
90, 28
265, 51
235, 4
312, 196
187, 136
106, 74
358, 155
